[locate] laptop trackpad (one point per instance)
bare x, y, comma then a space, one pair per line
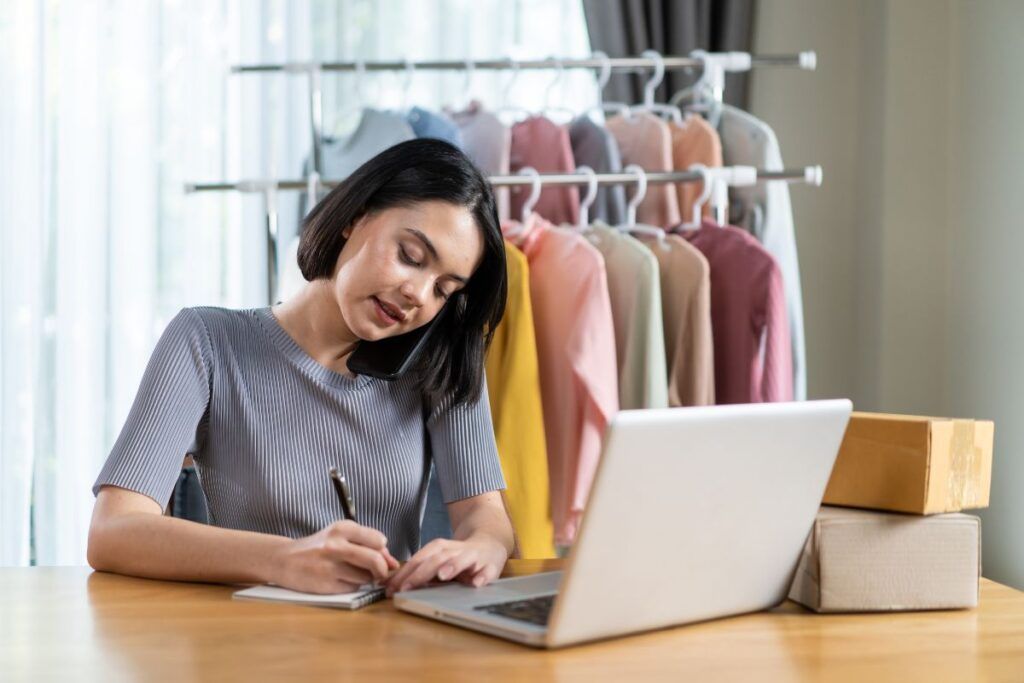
457, 596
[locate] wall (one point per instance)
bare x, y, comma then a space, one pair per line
906, 251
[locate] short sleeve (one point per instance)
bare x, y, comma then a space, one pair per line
464, 450
163, 424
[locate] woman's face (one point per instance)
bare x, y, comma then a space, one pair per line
400, 265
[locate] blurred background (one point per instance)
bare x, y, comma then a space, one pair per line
909, 250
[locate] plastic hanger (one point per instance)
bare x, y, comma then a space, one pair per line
604, 108
585, 203
631, 225
340, 118
528, 205
410, 71
705, 194
652, 83
506, 108
557, 80
467, 85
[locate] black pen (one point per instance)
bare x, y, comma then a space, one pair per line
348, 504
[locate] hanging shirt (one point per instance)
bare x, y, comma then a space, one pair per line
339, 157
686, 313
644, 139
634, 288
576, 356
513, 379
753, 358
694, 142
488, 143
764, 210
428, 124
543, 144
595, 146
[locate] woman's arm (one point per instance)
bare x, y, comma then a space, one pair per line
483, 542
129, 535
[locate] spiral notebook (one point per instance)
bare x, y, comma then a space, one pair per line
354, 600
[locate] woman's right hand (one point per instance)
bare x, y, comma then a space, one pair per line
336, 559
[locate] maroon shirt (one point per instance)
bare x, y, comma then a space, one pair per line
753, 360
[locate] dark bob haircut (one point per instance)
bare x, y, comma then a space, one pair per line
403, 175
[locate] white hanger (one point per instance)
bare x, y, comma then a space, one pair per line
705, 193
410, 70
585, 203
467, 88
641, 189
603, 107
528, 205
649, 104
505, 107
357, 98
559, 77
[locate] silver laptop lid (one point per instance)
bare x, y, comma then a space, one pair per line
696, 513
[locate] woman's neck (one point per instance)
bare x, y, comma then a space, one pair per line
312, 318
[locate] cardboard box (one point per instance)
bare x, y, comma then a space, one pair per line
860, 561
920, 465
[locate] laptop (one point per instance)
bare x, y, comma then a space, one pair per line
694, 514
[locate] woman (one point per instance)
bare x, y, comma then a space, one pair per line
264, 401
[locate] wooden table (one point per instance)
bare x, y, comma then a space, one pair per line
72, 624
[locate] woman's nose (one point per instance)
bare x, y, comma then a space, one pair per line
416, 291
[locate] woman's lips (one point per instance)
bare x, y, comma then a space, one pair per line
383, 314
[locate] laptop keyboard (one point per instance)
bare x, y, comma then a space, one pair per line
533, 610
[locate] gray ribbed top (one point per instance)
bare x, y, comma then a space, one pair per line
265, 422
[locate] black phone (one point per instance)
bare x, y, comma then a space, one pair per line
390, 358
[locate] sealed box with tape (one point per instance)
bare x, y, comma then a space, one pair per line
920, 465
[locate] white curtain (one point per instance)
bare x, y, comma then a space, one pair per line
110, 107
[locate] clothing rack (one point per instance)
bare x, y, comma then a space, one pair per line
713, 66
811, 175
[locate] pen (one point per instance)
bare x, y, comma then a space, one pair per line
348, 504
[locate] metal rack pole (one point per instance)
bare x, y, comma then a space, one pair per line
807, 174
804, 60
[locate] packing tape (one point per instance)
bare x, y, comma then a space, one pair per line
964, 474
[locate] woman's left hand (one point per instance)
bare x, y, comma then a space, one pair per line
474, 562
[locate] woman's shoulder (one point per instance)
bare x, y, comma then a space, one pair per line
217, 325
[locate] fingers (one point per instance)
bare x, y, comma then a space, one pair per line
426, 571
361, 557
485, 575
461, 563
392, 563
355, 533
430, 555
351, 574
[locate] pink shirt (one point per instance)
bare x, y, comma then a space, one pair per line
753, 355
543, 144
576, 355
645, 139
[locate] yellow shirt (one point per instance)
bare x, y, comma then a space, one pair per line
513, 384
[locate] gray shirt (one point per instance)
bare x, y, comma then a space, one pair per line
265, 422
595, 146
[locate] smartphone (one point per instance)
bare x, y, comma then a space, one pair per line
390, 358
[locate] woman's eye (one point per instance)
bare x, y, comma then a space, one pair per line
406, 258
443, 294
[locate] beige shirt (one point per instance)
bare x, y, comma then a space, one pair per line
634, 285
645, 139
686, 315
694, 142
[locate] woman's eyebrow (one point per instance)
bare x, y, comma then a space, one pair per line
433, 251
